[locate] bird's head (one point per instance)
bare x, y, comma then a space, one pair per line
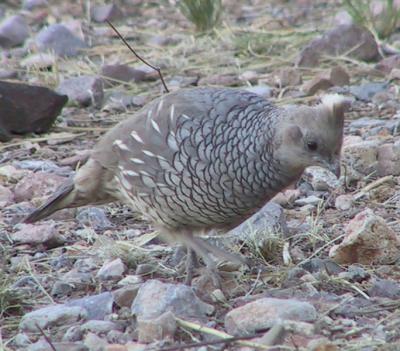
312, 135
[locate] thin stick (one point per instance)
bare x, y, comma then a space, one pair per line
207, 343
158, 69
372, 185
46, 337
224, 336
316, 252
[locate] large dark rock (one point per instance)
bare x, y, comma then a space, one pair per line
60, 40
27, 109
346, 39
13, 31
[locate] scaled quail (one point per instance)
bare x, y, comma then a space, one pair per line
204, 158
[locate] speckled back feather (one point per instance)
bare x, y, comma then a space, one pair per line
199, 158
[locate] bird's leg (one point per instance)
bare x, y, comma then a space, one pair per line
197, 245
191, 264
217, 252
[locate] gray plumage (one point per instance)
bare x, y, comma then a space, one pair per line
204, 158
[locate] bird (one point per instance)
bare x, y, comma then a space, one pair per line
203, 159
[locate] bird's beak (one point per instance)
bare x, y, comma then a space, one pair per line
335, 168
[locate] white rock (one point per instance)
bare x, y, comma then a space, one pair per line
51, 316
111, 270
265, 312
369, 240
344, 202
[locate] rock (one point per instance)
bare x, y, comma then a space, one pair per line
389, 159
262, 90
67, 346
83, 90
178, 82
343, 17
28, 108
75, 277
43, 345
38, 184
130, 280
336, 76
130, 346
387, 64
287, 197
94, 342
355, 274
265, 312
8, 74
21, 340
13, 31
86, 264
124, 296
145, 269
46, 166
99, 327
365, 92
51, 316
386, 100
321, 179
154, 298
118, 101
106, 12
96, 306
156, 329
371, 127
350, 39
73, 333
249, 76
111, 270
163, 40
61, 288
361, 158
117, 337
269, 219
33, 4
35, 234
72, 280
60, 40
312, 200
123, 73
61, 261
369, 240
222, 80
321, 344
94, 217
344, 202
288, 77
394, 74
317, 83
385, 288
325, 265
6, 196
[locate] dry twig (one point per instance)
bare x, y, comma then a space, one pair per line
158, 69
46, 337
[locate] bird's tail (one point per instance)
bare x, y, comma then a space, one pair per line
63, 198
85, 188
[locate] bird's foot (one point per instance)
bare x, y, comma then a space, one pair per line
192, 263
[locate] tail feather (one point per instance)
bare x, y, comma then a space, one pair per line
85, 188
63, 198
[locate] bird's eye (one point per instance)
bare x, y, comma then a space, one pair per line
312, 145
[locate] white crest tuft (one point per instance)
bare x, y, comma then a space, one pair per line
333, 101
